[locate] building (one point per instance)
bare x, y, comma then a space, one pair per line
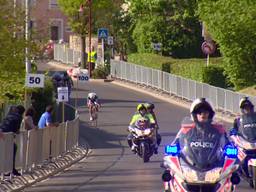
48, 22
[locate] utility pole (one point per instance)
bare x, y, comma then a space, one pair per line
90, 38
83, 39
27, 38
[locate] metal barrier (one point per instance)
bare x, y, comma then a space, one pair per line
38, 145
65, 55
221, 99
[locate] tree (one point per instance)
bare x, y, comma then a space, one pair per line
232, 25
12, 54
79, 21
169, 22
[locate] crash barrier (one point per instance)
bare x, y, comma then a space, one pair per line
38, 146
221, 99
66, 55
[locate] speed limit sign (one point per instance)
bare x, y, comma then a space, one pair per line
34, 80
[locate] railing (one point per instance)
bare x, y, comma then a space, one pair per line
66, 55
222, 99
38, 145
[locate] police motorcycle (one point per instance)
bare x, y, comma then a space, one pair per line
245, 141
144, 138
200, 167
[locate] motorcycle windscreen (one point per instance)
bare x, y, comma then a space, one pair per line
248, 127
203, 151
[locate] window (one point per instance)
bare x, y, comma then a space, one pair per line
53, 4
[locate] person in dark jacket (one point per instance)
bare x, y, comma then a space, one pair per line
11, 123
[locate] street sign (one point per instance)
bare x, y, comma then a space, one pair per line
34, 80
208, 47
83, 78
157, 46
102, 33
110, 40
62, 94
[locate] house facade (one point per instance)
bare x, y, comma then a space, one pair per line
48, 22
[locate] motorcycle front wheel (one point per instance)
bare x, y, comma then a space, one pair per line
253, 177
144, 150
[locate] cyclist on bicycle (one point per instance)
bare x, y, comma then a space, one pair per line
92, 100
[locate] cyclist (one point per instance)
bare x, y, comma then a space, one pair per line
92, 99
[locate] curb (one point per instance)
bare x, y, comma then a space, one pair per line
220, 115
44, 171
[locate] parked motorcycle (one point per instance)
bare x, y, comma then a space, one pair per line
200, 174
246, 144
144, 140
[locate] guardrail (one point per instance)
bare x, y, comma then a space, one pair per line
66, 55
38, 145
221, 99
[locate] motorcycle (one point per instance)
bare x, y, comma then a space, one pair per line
143, 139
246, 144
186, 174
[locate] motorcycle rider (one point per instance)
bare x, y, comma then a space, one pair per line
200, 128
92, 99
245, 125
248, 116
150, 109
141, 112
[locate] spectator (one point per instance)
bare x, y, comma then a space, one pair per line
67, 82
11, 123
46, 118
28, 119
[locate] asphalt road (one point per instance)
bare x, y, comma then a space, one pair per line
111, 166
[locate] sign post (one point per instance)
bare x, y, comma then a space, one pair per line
82, 78
102, 34
208, 47
63, 97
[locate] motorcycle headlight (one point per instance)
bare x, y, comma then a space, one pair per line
189, 174
213, 175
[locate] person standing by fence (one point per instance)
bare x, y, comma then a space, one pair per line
11, 123
28, 119
46, 118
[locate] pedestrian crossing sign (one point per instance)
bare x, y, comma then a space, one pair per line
102, 33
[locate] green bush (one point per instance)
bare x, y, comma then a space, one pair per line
214, 75
101, 72
166, 67
41, 97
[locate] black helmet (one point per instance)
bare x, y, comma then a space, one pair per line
149, 105
199, 104
245, 102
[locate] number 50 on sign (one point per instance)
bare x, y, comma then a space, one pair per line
34, 80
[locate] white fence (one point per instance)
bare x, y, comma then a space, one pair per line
66, 55
222, 99
36, 146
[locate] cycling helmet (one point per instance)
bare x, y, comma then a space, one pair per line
201, 104
245, 102
140, 107
149, 106
91, 95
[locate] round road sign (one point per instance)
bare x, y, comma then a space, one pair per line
208, 47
